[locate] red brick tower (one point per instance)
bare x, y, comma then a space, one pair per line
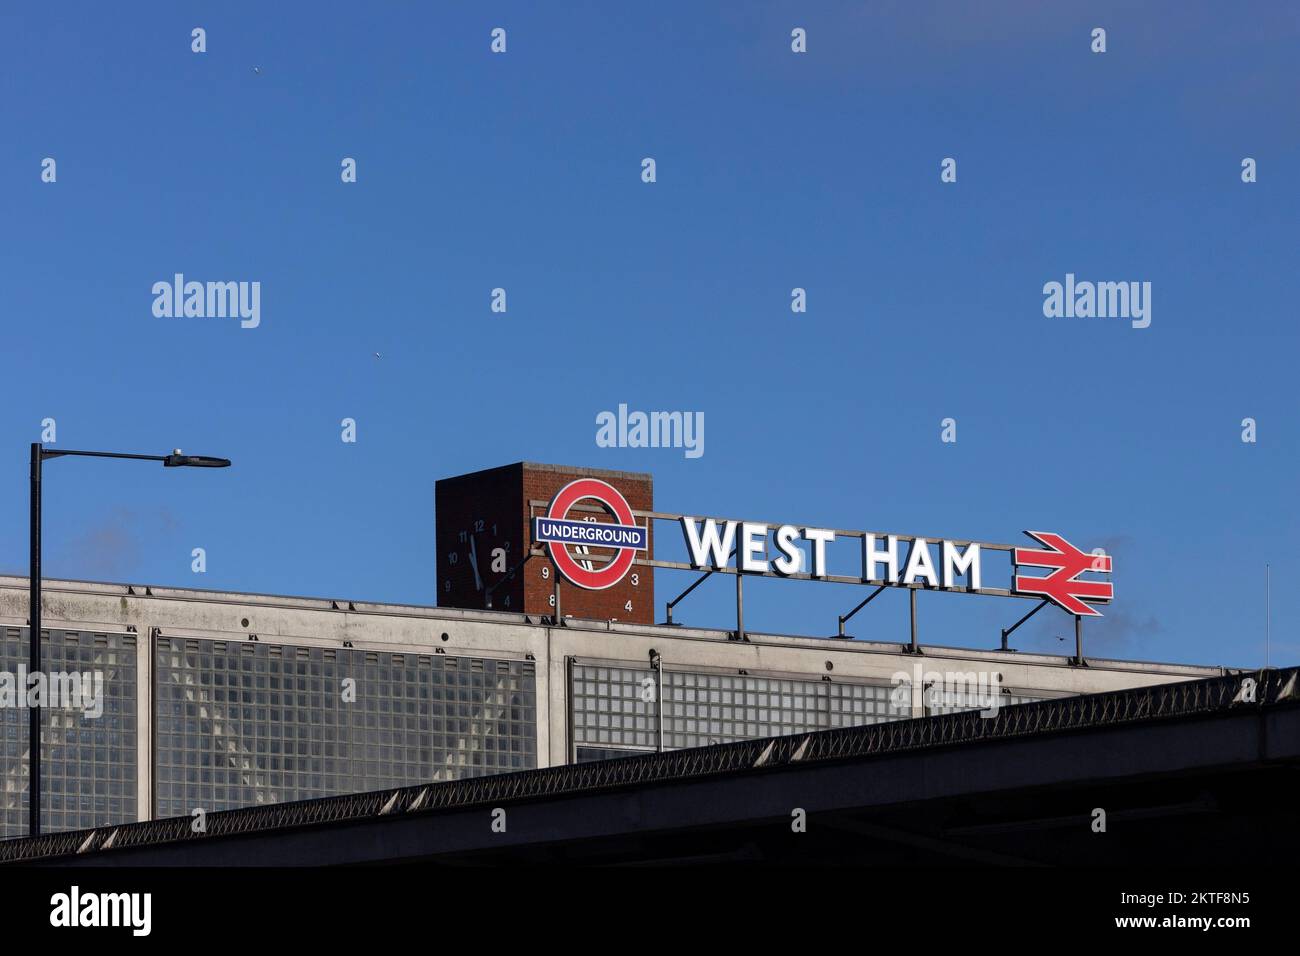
484, 530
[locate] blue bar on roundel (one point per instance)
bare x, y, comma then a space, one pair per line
594, 534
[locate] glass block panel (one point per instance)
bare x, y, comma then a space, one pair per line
88, 752
323, 722
615, 707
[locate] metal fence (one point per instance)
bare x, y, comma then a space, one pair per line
1252, 690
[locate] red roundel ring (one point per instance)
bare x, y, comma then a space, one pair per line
597, 579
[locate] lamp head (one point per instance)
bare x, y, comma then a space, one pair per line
178, 460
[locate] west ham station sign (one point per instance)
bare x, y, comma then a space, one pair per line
591, 514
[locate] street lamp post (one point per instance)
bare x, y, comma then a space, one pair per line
39, 454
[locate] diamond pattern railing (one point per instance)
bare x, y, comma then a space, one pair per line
1062, 715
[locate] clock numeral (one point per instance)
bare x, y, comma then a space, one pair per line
506, 602
627, 606
546, 573
636, 579
453, 558
462, 537
494, 534
478, 525
551, 600
446, 585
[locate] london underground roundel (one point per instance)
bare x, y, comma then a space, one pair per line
559, 531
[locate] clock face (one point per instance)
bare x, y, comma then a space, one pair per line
620, 602
479, 557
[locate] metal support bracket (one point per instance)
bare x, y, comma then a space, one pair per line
668, 608
865, 601
1006, 631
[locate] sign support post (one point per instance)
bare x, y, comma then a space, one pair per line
914, 648
740, 607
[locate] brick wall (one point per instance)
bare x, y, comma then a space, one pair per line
487, 514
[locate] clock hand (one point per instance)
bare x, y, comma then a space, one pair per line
473, 563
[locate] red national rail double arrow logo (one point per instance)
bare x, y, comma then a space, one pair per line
1062, 586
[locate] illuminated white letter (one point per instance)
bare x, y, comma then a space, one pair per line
707, 545
955, 564
920, 564
819, 537
753, 543
871, 557
791, 559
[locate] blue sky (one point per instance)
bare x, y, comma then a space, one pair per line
775, 170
